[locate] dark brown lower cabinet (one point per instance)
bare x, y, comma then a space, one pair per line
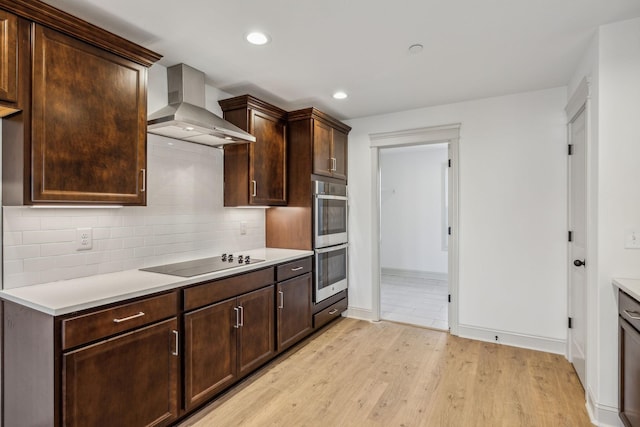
294, 310
210, 351
225, 341
629, 363
129, 380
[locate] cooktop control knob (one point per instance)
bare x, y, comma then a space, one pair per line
223, 257
230, 257
247, 260
240, 260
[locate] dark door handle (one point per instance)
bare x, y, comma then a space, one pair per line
579, 263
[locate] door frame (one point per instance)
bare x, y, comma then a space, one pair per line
429, 135
577, 104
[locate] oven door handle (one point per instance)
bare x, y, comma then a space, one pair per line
332, 248
329, 197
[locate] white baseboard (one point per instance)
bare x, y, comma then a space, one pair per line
602, 415
359, 313
550, 345
434, 275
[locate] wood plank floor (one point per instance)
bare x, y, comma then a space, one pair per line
358, 373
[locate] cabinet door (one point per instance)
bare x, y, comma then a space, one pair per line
8, 57
322, 163
294, 310
267, 172
88, 124
256, 343
130, 380
629, 379
339, 154
210, 351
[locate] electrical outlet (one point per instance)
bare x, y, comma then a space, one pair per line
84, 239
243, 227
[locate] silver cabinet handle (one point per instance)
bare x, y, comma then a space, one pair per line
255, 188
297, 269
632, 314
281, 299
144, 180
241, 315
177, 343
334, 164
334, 311
237, 310
124, 319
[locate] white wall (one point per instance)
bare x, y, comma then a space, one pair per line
411, 214
512, 210
184, 217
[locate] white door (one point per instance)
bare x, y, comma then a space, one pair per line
578, 243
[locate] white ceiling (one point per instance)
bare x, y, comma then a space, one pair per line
472, 48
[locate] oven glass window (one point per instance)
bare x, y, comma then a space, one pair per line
331, 216
332, 267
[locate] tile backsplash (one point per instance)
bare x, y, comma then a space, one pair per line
184, 218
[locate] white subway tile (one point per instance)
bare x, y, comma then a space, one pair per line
21, 252
144, 252
49, 236
101, 233
20, 223
107, 244
57, 222
133, 242
13, 267
22, 279
51, 249
11, 238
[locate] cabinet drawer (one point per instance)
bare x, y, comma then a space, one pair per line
328, 314
218, 290
89, 327
629, 308
293, 268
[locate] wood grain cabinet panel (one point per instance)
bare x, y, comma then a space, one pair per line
327, 138
210, 351
8, 59
130, 380
293, 297
225, 341
88, 123
255, 173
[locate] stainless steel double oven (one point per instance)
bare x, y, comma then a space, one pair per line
330, 238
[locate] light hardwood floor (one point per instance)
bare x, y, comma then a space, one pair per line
357, 373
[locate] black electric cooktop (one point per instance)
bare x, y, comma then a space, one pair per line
203, 265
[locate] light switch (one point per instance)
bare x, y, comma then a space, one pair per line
632, 239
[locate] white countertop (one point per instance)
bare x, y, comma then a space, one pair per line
630, 286
67, 296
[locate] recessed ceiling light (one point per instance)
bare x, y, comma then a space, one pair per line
258, 38
340, 95
415, 48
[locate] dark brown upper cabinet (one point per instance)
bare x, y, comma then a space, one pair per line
81, 138
255, 174
328, 139
8, 63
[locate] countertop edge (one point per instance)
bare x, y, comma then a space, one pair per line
158, 283
629, 286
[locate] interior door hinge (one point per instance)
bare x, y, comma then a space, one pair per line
449, 162
449, 298
449, 231
570, 236
570, 323
570, 151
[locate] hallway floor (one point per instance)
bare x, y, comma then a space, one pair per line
413, 300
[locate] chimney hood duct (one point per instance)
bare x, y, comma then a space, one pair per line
187, 119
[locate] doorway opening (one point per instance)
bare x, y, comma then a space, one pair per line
443, 286
414, 225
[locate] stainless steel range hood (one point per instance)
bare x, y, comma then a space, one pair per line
187, 119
